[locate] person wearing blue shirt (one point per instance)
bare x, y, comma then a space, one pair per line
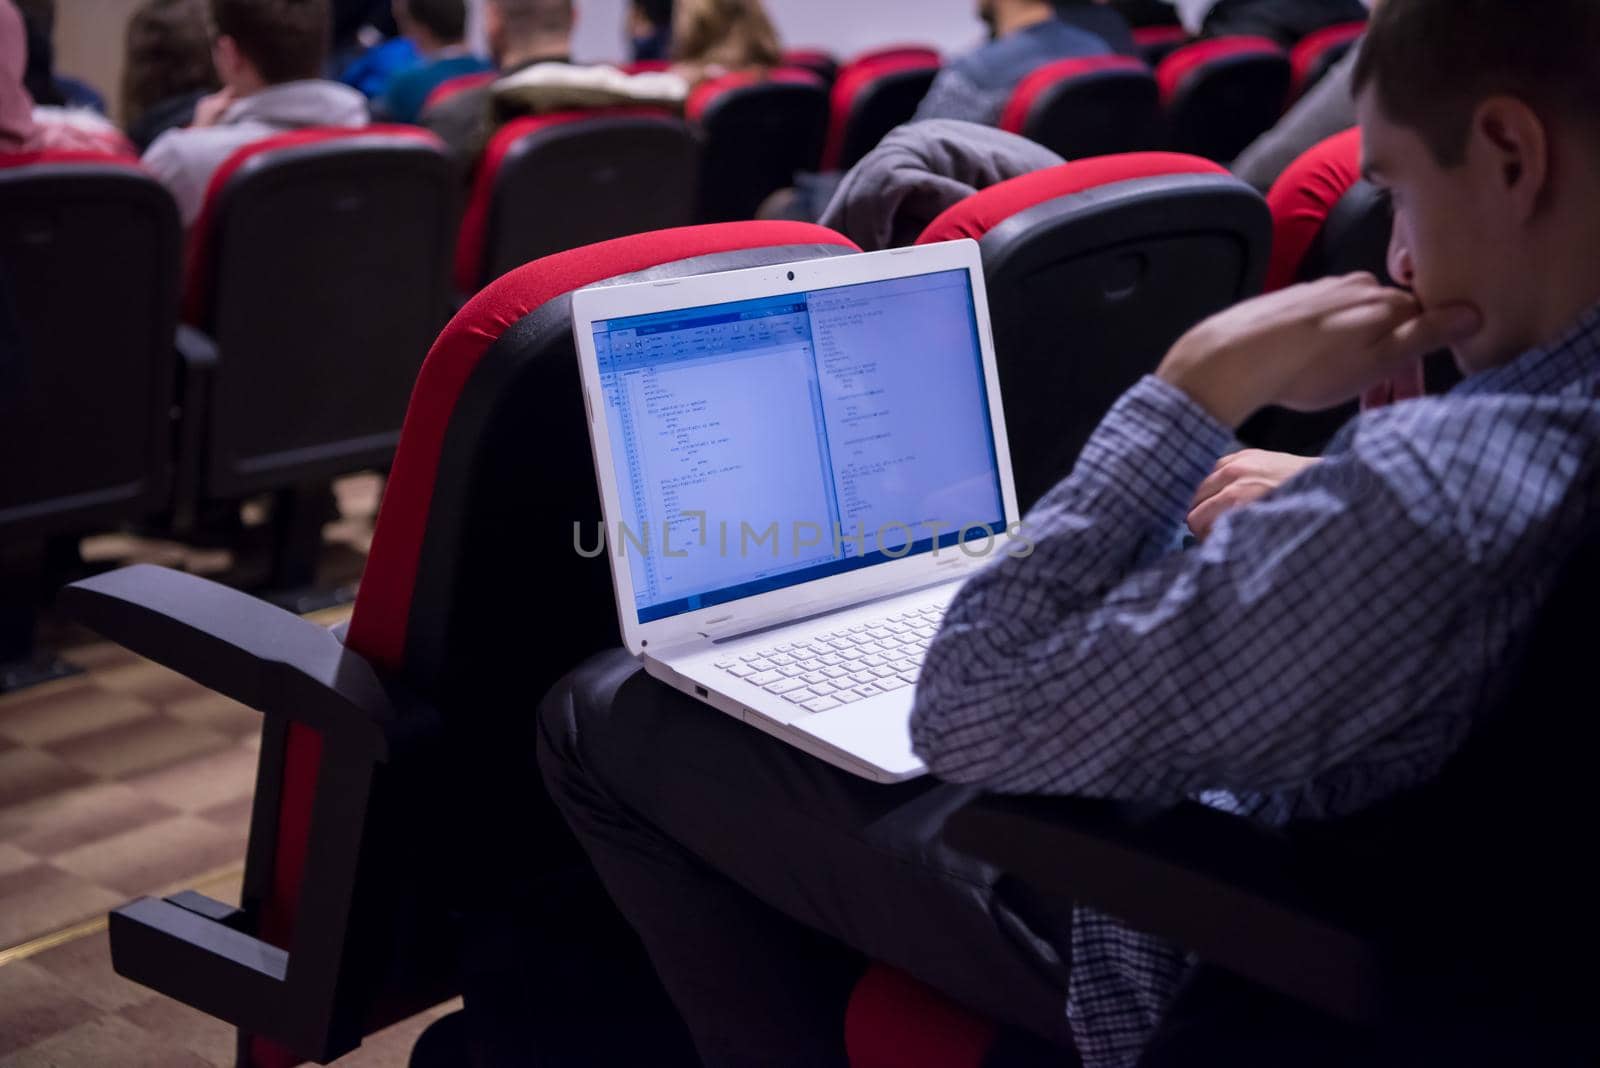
438, 28
1027, 35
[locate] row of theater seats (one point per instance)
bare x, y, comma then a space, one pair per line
378, 878
747, 136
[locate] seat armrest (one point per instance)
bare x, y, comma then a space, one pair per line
303, 678
249, 650
1239, 895
198, 358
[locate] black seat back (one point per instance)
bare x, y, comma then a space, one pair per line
328, 277
758, 135
565, 181
89, 257
1088, 291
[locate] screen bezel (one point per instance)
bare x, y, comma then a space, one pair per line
601, 303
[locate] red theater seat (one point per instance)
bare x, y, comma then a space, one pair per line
317, 274
1222, 94
873, 94
89, 262
548, 183
459, 84
1156, 43
1094, 269
1315, 55
817, 61
389, 762
757, 133
1077, 108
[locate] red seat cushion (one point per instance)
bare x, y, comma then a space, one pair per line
1145, 36
1304, 57
894, 1021
459, 84
707, 92
810, 58
480, 204
1302, 198
926, 53
197, 271
983, 211
853, 81
1014, 119
65, 156
1191, 59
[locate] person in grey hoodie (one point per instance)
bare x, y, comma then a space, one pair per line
269, 55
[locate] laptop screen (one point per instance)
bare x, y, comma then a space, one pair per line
766, 443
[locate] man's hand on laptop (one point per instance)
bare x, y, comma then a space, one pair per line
1310, 346
1239, 479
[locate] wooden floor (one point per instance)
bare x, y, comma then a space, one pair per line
125, 781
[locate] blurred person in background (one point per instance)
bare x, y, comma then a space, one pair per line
711, 38
1026, 35
438, 29
167, 68
26, 127
269, 55
650, 30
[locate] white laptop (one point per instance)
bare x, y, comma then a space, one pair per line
798, 466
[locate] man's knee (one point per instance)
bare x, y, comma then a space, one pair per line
577, 709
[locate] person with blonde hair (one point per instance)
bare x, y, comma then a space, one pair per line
714, 37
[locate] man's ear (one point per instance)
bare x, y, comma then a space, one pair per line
1516, 144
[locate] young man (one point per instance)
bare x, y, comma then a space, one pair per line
269, 56
1027, 35
438, 28
1328, 646
521, 33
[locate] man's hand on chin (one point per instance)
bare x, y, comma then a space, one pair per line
1310, 346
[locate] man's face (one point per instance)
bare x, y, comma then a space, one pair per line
1454, 241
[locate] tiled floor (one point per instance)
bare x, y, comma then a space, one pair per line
125, 781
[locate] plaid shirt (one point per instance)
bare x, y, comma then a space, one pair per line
1326, 647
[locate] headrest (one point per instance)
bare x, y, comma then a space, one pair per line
378, 628
475, 223
459, 84
1190, 59
810, 58
855, 79
926, 53
1303, 197
1015, 116
197, 280
61, 156
1305, 56
983, 211
707, 92
1145, 36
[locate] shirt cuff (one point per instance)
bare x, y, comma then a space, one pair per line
1152, 450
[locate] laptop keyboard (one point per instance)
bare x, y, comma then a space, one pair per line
840, 667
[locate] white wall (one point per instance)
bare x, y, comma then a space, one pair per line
841, 26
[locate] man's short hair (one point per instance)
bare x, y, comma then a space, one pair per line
1434, 61
287, 40
535, 18
445, 19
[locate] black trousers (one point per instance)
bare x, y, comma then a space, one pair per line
1286, 21
761, 880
